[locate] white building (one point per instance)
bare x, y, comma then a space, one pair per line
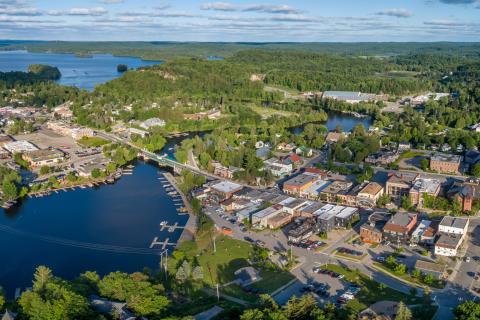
19, 146
448, 244
152, 122
454, 225
79, 133
277, 167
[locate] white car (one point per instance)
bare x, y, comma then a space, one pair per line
467, 259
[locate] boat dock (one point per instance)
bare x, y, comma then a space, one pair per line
164, 225
164, 244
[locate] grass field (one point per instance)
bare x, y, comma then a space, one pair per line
268, 112
90, 142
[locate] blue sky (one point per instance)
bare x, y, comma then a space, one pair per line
263, 21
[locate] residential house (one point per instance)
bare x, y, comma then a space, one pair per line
398, 229
404, 146
383, 158
286, 147
334, 137
222, 171
278, 167
422, 187
399, 185
437, 270
304, 151
262, 152
449, 163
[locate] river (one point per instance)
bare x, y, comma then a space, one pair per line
104, 229
82, 72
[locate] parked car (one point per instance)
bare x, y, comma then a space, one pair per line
380, 259
467, 259
248, 239
260, 243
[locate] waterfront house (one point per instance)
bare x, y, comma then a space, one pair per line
398, 229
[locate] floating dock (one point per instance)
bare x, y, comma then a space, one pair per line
163, 244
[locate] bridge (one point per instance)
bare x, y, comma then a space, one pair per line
162, 160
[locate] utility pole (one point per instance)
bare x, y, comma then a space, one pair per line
218, 294
214, 245
166, 264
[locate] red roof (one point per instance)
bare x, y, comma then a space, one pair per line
295, 158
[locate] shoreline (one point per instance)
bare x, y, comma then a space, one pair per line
191, 226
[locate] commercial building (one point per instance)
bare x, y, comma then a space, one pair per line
449, 163
261, 218
222, 171
371, 192
422, 233
347, 96
399, 185
46, 157
399, 227
300, 183
302, 231
225, 189
454, 225
331, 192
372, 230
448, 244
19, 146
465, 193
79, 133
422, 186
333, 216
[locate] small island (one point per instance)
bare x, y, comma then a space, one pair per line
45, 72
122, 68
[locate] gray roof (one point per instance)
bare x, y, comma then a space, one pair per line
401, 219
346, 95
448, 221
443, 157
449, 240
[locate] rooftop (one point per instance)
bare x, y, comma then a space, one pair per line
402, 177
421, 228
429, 266
401, 219
443, 157
226, 187
267, 211
423, 185
447, 240
302, 179
448, 221
372, 188
346, 95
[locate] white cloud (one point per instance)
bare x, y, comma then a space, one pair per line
396, 12
20, 11
268, 8
219, 6
110, 1
95, 11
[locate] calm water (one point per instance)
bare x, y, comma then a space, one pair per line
80, 72
344, 120
105, 229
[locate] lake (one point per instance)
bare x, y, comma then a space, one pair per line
346, 121
104, 229
81, 72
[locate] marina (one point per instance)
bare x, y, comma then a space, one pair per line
106, 229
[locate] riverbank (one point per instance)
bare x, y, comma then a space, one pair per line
191, 226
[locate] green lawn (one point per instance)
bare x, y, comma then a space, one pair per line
407, 277
236, 291
91, 142
268, 112
272, 280
220, 266
350, 256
